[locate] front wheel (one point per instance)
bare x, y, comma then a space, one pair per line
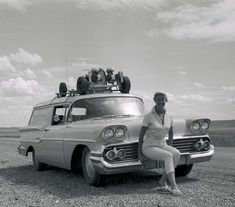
91, 176
183, 170
36, 164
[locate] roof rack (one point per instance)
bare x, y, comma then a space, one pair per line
69, 93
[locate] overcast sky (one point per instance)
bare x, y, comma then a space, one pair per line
183, 48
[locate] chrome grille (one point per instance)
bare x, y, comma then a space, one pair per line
183, 145
130, 149
187, 145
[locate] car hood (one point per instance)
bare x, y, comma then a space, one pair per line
94, 127
133, 124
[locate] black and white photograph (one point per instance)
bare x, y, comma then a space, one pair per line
124, 103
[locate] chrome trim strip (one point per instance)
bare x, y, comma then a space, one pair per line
29, 129
31, 141
80, 140
61, 139
115, 165
190, 136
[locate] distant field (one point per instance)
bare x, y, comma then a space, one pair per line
9, 132
222, 133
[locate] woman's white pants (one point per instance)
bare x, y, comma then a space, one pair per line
168, 154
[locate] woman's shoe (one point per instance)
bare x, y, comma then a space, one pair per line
176, 192
163, 189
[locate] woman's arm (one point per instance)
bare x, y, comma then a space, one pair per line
170, 136
141, 139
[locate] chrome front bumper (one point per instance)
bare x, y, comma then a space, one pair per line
189, 158
104, 167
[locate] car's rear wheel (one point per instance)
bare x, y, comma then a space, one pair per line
183, 170
91, 176
37, 165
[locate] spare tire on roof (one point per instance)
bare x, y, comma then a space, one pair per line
63, 89
125, 85
82, 85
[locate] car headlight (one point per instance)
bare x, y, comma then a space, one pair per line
120, 133
199, 145
206, 145
111, 155
108, 133
202, 145
205, 125
195, 127
115, 133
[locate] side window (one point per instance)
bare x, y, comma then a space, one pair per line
77, 112
59, 115
41, 117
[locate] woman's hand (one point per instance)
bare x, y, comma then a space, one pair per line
170, 136
141, 138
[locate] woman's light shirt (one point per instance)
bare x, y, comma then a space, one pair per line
157, 131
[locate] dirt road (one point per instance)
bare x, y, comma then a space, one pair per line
209, 184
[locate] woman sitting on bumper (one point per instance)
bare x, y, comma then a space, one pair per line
156, 125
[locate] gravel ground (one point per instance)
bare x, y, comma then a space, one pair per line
20, 185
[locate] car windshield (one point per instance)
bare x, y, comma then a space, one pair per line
105, 107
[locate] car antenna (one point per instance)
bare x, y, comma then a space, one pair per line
67, 74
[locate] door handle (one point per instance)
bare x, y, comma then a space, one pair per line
46, 130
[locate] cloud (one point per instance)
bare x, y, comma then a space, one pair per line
4, 112
47, 74
85, 65
72, 83
19, 108
191, 98
228, 88
5, 65
119, 4
153, 33
231, 100
214, 22
104, 5
17, 61
19, 5
199, 85
181, 72
30, 74
19, 87
24, 57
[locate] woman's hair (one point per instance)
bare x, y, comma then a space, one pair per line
160, 94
